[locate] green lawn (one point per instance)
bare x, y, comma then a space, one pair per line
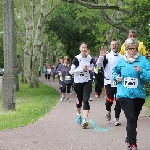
147, 102
31, 104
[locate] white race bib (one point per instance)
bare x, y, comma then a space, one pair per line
130, 82
60, 78
84, 74
113, 83
67, 77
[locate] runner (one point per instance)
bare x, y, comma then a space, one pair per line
131, 72
63, 70
141, 48
108, 61
81, 65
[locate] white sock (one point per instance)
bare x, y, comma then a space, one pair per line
78, 114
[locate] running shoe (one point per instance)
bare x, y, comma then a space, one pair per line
79, 119
90, 99
97, 96
85, 123
67, 100
133, 147
108, 115
126, 141
116, 122
62, 98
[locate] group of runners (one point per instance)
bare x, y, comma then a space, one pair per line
123, 75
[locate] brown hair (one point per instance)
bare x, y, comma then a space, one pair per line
67, 58
102, 47
83, 43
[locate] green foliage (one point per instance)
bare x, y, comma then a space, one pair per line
74, 24
140, 20
31, 104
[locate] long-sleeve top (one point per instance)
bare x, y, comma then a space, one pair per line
81, 76
111, 59
141, 49
66, 76
133, 83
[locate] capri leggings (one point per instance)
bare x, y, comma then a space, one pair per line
83, 91
66, 88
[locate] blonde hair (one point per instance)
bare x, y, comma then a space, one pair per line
67, 58
131, 41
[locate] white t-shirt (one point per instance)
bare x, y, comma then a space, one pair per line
48, 71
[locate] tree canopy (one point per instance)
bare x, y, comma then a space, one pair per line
74, 24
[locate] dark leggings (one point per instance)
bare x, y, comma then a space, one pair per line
98, 85
131, 108
110, 93
45, 75
66, 88
83, 91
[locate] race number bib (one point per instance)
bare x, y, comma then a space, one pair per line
130, 82
67, 77
60, 78
84, 74
113, 83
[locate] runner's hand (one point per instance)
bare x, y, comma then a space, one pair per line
84, 68
118, 78
102, 52
137, 68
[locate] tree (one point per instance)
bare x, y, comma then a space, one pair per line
73, 24
34, 14
133, 14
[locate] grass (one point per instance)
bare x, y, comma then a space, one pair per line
31, 104
147, 102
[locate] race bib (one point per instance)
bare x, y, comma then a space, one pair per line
84, 74
113, 83
60, 78
130, 82
67, 77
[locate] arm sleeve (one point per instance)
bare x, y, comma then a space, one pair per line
144, 52
58, 68
122, 51
100, 61
145, 73
116, 71
75, 68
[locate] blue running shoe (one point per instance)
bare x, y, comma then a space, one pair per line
79, 119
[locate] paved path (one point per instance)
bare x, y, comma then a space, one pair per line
58, 130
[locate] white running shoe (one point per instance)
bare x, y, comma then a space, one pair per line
116, 122
90, 99
62, 98
67, 100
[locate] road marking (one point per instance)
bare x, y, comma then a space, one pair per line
97, 128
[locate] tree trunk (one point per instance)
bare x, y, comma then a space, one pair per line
36, 55
9, 39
